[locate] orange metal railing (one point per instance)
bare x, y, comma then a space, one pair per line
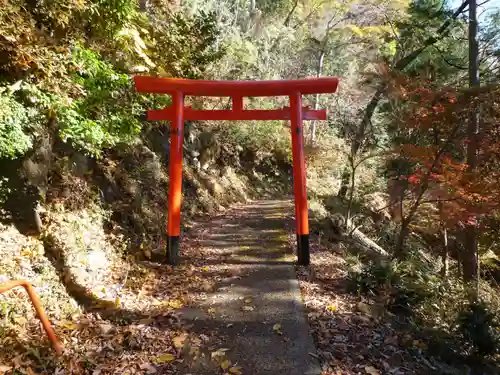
38, 307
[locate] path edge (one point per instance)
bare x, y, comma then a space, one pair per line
300, 311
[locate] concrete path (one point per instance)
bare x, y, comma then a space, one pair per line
256, 315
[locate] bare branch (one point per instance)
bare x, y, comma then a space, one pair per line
450, 63
289, 16
484, 2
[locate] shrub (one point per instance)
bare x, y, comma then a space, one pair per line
372, 278
405, 285
260, 136
108, 111
479, 327
14, 122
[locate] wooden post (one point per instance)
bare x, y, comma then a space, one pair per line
175, 183
299, 179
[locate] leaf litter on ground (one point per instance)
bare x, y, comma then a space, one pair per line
351, 336
137, 332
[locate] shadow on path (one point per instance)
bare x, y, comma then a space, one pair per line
257, 313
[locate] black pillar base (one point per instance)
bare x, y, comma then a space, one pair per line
303, 258
173, 250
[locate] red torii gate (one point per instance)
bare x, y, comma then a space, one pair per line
237, 90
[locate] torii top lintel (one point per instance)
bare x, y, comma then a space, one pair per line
190, 87
237, 90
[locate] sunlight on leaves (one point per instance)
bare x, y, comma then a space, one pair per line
178, 341
174, 304
164, 358
371, 370
235, 370
225, 364
68, 325
332, 308
219, 353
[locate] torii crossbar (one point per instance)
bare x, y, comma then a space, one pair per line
177, 113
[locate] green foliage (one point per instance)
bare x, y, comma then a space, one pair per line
99, 18
260, 135
371, 278
274, 7
413, 289
425, 17
14, 122
108, 16
480, 328
5, 189
184, 46
72, 72
106, 112
406, 286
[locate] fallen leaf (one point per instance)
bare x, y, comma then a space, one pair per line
194, 351
235, 370
391, 340
277, 328
68, 325
419, 344
20, 320
175, 304
225, 364
145, 321
164, 358
363, 307
148, 367
371, 370
211, 310
248, 308
332, 308
105, 327
248, 300
219, 353
179, 340
205, 269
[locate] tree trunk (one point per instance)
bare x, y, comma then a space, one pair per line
403, 233
470, 262
444, 255
289, 16
372, 105
319, 72
351, 194
366, 244
251, 13
359, 138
